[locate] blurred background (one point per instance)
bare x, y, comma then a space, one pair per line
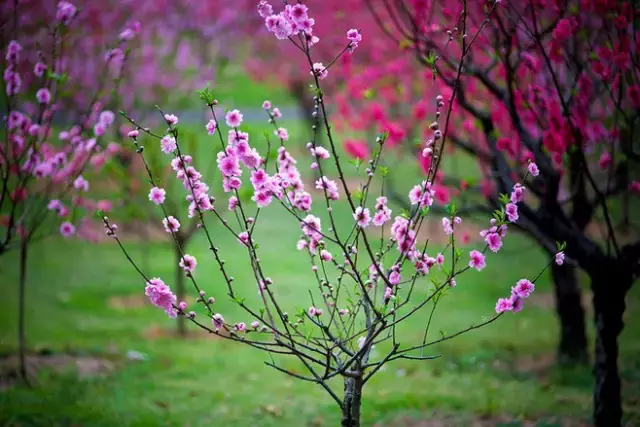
99, 354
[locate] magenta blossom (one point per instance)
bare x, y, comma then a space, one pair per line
560, 258
218, 321
523, 289
504, 304
477, 260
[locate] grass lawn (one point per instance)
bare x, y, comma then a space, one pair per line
85, 299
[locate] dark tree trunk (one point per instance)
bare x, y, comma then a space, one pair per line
180, 291
352, 401
609, 305
573, 338
22, 283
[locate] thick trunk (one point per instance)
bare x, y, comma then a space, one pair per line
352, 401
573, 339
608, 301
22, 282
180, 292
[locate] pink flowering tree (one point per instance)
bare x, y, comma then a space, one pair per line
362, 283
45, 174
143, 178
551, 92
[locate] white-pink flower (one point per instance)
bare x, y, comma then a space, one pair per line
67, 229
362, 217
319, 70
171, 224
188, 263
211, 127
171, 119
234, 118
168, 144
157, 195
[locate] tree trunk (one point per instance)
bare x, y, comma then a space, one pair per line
180, 291
352, 401
22, 282
573, 339
609, 305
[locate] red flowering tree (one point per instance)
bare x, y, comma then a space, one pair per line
361, 286
555, 83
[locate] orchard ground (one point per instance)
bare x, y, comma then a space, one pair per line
102, 356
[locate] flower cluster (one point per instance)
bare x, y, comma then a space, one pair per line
293, 20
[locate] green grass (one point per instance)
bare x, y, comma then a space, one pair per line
199, 382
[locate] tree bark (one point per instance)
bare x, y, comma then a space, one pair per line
608, 301
180, 291
352, 401
572, 347
22, 282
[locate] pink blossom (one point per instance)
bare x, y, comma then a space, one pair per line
234, 118
362, 217
560, 258
320, 152
494, 241
161, 296
39, 69
446, 226
511, 209
264, 9
388, 293
312, 311
282, 134
133, 133
517, 303
211, 127
439, 259
241, 327
43, 96
81, 184
66, 11
188, 263
233, 203
395, 277
255, 324
171, 119
357, 149
325, 255
477, 260
218, 321
504, 304
533, 169
157, 195
319, 70
107, 118
229, 166
523, 288
243, 238
354, 38
517, 195
171, 224
266, 105
168, 144
605, 160
67, 229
